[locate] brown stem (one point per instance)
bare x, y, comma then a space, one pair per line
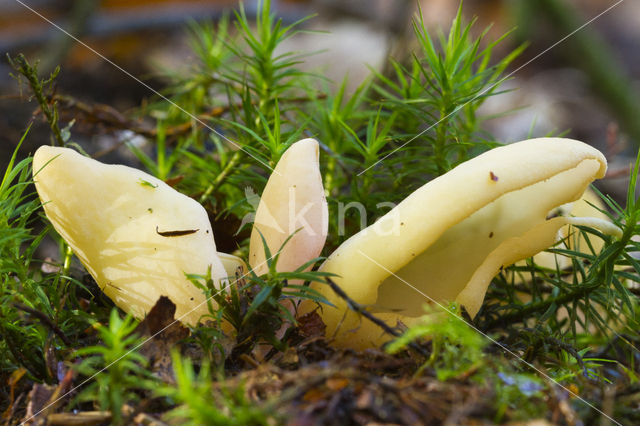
356, 307
46, 320
49, 110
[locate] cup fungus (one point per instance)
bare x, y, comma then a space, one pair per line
135, 234
292, 205
589, 205
450, 237
138, 237
292, 215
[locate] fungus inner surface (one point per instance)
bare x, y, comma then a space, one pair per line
447, 265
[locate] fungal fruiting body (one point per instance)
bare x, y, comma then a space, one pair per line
135, 234
292, 216
590, 206
292, 206
448, 239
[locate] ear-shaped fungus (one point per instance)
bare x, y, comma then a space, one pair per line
136, 235
589, 205
292, 203
448, 239
292, 206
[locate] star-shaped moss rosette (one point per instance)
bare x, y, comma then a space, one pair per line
448, 239
138, 237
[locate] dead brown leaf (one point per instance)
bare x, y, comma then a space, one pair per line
43, 400
311, 325
165, 333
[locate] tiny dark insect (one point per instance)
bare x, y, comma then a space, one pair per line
493, 177
491, 234
176, 233
111, 285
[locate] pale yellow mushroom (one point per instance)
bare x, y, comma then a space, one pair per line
292, 203
589, 205
233, 265
135, 234
448, 239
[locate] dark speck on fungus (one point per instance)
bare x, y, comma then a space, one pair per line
493, 177
555, 213
176, 233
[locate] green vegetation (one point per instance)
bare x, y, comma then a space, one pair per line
114, 367
197, 404
229, 119
256, 306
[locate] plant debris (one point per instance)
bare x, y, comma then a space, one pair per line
176, 233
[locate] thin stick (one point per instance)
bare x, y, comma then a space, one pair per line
45, 319
356, 307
